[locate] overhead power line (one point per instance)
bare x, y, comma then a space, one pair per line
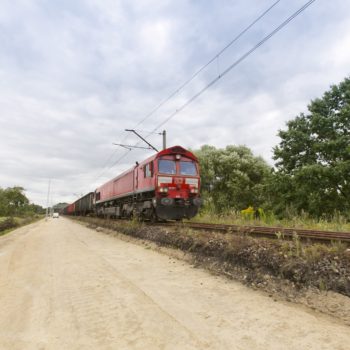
234, 64
183, 85
227, 70
208, 63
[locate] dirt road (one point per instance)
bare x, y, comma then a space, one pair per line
63, 286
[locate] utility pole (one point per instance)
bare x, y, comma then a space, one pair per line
164, 139
47, 201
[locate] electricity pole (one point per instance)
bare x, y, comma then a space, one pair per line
47, 201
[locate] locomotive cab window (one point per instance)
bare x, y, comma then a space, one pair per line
167, 166
188, 168
148, 170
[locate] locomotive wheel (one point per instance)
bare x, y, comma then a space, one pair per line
153, 218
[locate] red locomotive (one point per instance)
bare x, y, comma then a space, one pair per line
164, 186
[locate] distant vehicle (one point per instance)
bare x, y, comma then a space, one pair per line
56, 215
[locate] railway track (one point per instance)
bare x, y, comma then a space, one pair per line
265, 231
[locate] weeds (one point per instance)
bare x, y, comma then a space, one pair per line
297, 244
279, 235
9, 223
292, 220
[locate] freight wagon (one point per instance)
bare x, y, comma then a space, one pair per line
69, 209
85, 204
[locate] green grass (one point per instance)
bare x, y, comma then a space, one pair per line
338, 223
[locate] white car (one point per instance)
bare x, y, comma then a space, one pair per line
56, 215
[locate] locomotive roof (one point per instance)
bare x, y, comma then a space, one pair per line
165, 152
177, 150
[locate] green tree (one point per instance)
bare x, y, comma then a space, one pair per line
3, 203
13, 201
313, 156
232, 178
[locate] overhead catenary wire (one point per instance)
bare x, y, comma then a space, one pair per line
184, 84
228, 69
234, 64
208, 63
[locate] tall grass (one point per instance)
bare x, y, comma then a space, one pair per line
7, 224
335, 223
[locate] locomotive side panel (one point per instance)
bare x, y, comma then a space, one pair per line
118, 187
114, 198
145, 177
125, 184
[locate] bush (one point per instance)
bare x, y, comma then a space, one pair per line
7, 224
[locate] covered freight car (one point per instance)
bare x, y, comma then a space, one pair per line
84, 205
69, 209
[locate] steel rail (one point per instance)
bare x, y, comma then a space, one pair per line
266, 231
258, 231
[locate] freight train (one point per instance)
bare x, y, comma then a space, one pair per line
163, 187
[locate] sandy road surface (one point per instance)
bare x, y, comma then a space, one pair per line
63, 286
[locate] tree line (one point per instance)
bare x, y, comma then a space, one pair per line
311, 173
13, 202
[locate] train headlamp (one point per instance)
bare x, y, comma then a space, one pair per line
194, 190
178, 157
163, 189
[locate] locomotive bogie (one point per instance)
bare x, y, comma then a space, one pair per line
176, 209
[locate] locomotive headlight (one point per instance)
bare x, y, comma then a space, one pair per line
178, 156
163, 189
194, 190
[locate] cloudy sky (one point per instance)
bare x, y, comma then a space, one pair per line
75, 74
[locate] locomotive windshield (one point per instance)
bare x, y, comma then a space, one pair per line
188, 168
167, 166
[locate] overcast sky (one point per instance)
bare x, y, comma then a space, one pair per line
75, 74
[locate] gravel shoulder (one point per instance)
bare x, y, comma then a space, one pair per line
64, 286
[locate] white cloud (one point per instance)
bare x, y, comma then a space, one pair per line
74, 75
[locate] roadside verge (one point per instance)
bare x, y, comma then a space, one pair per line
315, 275
10, 223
